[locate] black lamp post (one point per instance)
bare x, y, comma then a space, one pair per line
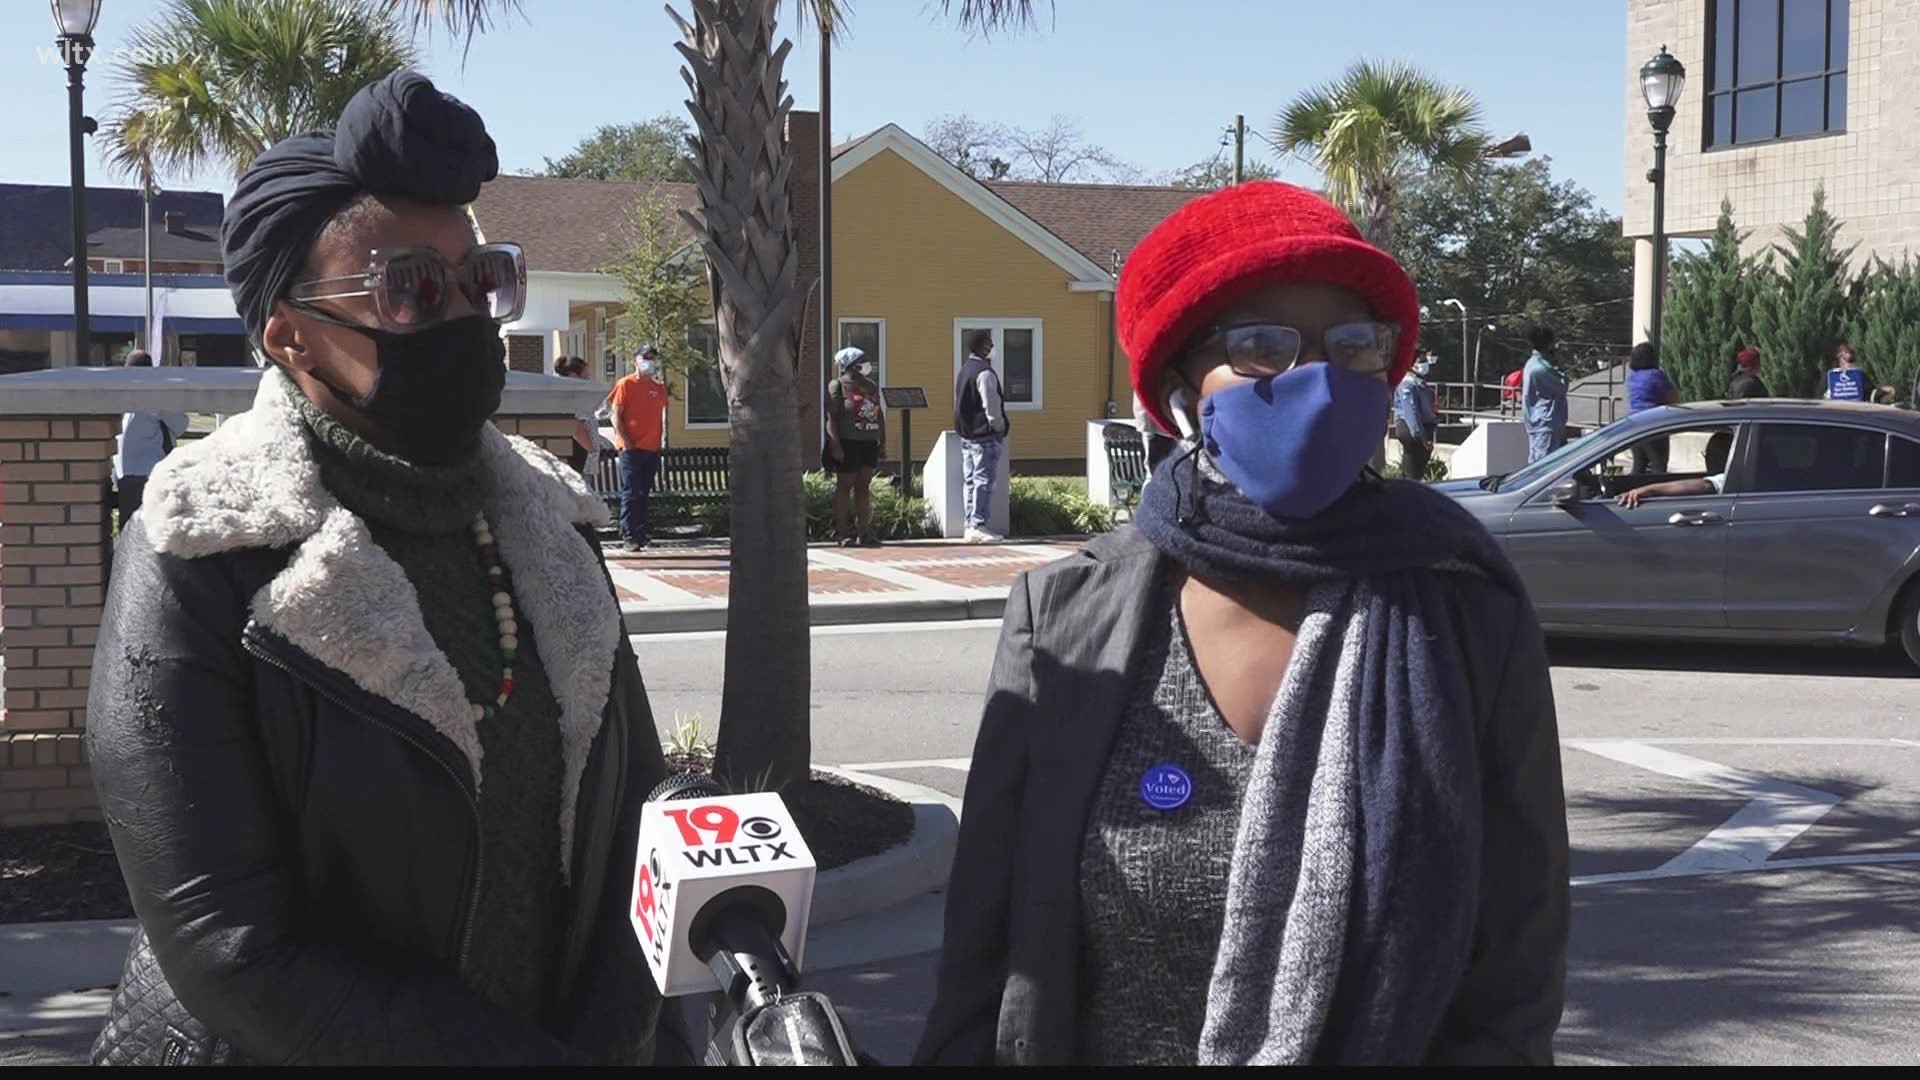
75, 20
1661, 80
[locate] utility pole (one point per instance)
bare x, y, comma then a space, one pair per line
146, 233
1239, 147
827, 347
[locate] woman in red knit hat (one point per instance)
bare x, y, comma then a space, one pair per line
1271, 776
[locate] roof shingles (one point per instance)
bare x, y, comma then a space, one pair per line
576, 225
1097, 219
566, 225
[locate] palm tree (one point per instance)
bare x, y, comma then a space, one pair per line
734, 65
221, 80
1367, 129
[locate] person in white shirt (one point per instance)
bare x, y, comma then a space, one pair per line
145, 438
1719, 449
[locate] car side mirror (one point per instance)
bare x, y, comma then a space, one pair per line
1565, 493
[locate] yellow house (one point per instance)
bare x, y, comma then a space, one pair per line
922, 254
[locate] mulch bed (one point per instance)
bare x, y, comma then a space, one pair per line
57, 873
841, 820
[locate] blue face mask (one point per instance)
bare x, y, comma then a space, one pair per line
1295, 442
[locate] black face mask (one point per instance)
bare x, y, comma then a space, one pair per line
435, 388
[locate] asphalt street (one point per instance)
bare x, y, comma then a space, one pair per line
1745, 825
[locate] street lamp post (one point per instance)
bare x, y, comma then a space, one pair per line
1661, 80
1473, 373
75, 20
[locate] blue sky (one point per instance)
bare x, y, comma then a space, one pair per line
1157, 91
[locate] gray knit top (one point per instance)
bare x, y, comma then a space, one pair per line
1153, 883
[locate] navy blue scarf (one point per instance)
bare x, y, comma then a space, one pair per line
1377, 527
1417, 835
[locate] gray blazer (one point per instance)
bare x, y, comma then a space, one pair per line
1009, 975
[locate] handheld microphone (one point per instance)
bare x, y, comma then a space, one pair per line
723, 888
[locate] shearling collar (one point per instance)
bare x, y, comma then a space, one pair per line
254, 483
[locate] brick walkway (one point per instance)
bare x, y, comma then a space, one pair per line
682, 579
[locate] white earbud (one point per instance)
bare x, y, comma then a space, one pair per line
1177, 403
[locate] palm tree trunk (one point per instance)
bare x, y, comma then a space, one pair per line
1378, 201
739, 110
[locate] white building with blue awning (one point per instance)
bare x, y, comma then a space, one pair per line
194, 321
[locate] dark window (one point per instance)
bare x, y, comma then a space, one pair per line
1776, 69
1019, 365
1815, 457
1903, 464
706, 391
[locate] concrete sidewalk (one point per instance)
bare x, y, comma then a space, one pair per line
57, 979
675, 587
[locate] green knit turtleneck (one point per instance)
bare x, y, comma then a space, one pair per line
421, 517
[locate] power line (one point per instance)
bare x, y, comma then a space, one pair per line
1442, 320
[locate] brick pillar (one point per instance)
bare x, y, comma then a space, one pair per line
803, 196
54, 541
526, 352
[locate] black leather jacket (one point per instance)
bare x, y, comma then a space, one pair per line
302, 851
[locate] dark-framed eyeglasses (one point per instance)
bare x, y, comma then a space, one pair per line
411, 287
1263, 350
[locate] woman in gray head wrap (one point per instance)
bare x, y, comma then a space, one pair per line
367, 732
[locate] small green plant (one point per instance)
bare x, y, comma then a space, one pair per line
759, 781
688, 739
895, 516
1054, 506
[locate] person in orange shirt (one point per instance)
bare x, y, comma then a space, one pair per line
639, 407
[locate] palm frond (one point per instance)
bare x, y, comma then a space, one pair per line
219, 81
986, 16
1367, 128
461, 18
829, 15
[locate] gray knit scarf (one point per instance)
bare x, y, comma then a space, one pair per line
1349, 910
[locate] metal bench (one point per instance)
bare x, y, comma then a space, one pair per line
1126, 462
693, 473
686, 473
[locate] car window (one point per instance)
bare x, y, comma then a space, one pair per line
1669, 456
1903, 463
1818, 457
1532, 471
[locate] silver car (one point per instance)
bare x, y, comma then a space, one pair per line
1788, 521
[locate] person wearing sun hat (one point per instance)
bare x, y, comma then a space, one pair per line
1271, 775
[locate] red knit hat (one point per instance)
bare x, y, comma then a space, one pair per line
1748, 358
1220, 247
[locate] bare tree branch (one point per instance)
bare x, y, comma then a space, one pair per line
1060, 152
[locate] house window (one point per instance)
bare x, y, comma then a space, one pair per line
706, 390
1776, 69
1018, 357
870, 337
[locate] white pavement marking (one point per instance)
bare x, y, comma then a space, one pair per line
1778, 813
1750, 741
1771, 866
652, 589
838, 630
958, 763
922, 586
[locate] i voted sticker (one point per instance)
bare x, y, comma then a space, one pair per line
1166, 787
